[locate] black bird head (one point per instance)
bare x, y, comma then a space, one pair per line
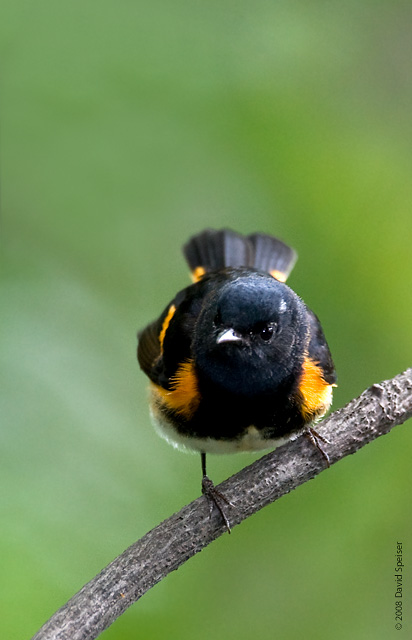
248, 335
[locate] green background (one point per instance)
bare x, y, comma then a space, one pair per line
127, 126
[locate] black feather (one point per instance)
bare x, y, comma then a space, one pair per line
318, 349
271, 254
213, 250
148, 349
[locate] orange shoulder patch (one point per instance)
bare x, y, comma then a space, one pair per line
315, 391
184, 396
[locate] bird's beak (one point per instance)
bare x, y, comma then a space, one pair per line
228, 335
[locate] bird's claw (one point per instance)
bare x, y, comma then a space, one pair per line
217, 499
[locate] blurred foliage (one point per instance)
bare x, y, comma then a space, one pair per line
126, 127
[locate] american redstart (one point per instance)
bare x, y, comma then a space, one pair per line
237, 361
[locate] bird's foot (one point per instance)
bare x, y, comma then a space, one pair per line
217, 499
316, 439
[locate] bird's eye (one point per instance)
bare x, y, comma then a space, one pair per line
266, 333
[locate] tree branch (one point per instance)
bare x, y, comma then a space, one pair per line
181, 536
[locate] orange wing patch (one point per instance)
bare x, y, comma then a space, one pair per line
165, 325
315, 391
184, 396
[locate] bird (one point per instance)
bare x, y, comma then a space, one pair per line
236, 361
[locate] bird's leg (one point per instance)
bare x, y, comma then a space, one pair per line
214, 496
316, 439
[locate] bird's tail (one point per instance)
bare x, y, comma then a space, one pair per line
211, 250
